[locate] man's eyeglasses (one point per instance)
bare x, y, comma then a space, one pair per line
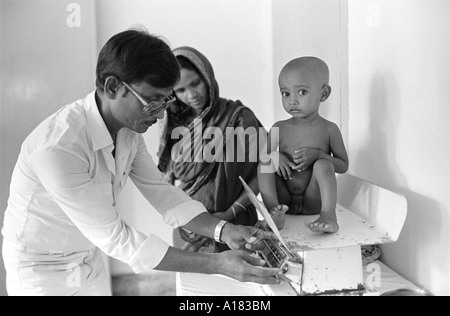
151, 107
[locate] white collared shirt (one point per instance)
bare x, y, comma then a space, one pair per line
65, 183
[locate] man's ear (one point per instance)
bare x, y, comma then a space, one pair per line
326, 91
112, 85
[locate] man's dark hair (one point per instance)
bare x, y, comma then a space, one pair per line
138, 56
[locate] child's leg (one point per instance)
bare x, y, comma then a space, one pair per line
283, 193
267, 182
274, 193
284, 199
321, 196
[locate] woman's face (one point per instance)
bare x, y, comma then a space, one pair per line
192, 90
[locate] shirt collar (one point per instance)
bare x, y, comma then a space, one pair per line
101, 138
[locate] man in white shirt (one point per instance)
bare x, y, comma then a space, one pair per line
61, 211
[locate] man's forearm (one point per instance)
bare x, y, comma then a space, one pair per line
204, 224
185, 261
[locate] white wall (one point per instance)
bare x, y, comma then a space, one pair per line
399, 78
44, 64
247, 42
228, 32
399, 74
308, 28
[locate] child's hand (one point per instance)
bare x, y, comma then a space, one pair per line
305, 157
285, 166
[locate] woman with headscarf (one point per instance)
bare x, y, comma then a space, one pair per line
215, 184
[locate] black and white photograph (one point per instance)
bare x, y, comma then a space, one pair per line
224, 153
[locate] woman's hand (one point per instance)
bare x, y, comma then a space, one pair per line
306, 157
195, 241
232, 213
169, 177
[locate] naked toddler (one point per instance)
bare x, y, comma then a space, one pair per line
308, 151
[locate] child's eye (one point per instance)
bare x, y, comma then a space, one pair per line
303, 92
285, 94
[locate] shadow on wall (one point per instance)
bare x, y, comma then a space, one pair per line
377, 161
376, 158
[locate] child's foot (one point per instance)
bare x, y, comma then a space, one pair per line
326, 223
296, 207
279, 215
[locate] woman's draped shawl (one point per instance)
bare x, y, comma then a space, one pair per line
215, 184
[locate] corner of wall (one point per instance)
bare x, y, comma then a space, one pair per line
344, 61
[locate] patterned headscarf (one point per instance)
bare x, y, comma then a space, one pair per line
219, 113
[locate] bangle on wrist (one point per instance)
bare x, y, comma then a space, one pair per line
242, 206
234, 212
218, 231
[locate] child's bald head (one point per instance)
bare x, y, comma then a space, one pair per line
304, 84
315, 69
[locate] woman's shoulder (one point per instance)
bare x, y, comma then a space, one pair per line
242, 113
235, 105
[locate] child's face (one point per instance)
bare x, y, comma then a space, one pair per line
301, 92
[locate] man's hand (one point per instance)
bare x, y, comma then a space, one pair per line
236, 264
243, 267
245, 237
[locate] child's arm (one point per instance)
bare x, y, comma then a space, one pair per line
340, 157
305, 157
